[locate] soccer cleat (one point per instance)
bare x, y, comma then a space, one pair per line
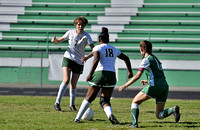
176, 113
73, 108
133, 126
76, 121
57, 107
113, 120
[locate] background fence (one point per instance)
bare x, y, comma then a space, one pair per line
38, 68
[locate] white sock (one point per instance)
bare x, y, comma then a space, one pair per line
84, 106
108, 110
135, 106
72, 93
61, 92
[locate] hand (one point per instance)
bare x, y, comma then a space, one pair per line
144, 82
89, 78
122, 88
54, 40
84, 59
130, 75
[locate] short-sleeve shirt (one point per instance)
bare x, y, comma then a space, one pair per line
77, 43
108, 56
153, 70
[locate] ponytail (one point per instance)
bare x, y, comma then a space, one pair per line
104, 36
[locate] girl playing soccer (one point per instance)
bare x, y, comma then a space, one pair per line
72, 66
102, 76
157, 86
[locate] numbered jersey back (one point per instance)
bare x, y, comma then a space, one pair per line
108, 56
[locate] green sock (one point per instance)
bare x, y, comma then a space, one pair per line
165, 113
134, 113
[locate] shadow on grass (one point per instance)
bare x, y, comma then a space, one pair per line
184, 124
191, 124
125, 123
99, 120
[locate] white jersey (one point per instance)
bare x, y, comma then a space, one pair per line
108, 56
77, 43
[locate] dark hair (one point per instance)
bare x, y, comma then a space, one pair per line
104, 36
146, 46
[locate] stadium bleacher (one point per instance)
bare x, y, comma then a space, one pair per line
168, 24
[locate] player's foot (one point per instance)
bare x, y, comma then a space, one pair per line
73, 108
133, 126
113, 120
176, 113
57, 107
76, 121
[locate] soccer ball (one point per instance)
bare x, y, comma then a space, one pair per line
88, 115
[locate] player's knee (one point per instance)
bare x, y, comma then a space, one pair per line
90, 98
66, 81
104, 100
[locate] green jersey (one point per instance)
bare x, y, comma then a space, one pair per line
157, 85
153, 69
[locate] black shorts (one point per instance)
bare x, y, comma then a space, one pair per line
75, 67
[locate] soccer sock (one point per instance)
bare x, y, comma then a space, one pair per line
84, 106
72, 93
61, 92
134, 113
165, 113
108, 110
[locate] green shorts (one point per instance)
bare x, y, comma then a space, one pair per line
75, 67
103, 79
159, 92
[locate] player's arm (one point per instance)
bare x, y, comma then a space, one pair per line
84, 59
128, 64
94, 65
131, 81
57, 41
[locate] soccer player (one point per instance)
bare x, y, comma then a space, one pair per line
157, 86
72, 64
102, 76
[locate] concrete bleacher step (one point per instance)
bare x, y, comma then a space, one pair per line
7, 10
121, 11
64, 11
33, 36
164, 28
4, 27
8, 18
14, 3
114, 19
52, 19
44, 28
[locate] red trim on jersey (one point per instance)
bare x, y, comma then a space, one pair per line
141, 69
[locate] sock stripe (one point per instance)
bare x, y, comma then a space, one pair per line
134, 106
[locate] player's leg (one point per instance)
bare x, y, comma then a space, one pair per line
106, 105
62, 88
90, 96
160, 105
72, 90
161, 113
137, 100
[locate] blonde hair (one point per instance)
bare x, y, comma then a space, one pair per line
81, 20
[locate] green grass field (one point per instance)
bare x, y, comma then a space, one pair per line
34, 112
